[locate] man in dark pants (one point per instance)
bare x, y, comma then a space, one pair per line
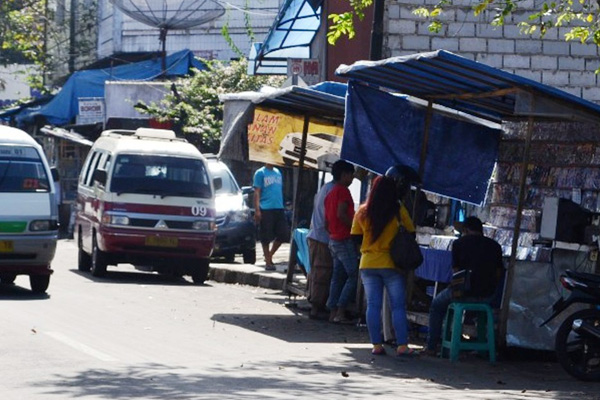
482, 258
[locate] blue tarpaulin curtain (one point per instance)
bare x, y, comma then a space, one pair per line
383, 129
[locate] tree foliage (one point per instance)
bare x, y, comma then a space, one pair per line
581, 17
193, 103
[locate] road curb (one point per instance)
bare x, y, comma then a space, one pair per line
247, 275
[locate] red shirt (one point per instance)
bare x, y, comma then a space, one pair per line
337, 229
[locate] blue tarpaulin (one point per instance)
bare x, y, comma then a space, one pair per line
90, 83
383, 129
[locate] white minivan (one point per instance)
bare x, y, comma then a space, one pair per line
145, 197
29, 212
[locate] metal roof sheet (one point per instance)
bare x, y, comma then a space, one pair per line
469, 86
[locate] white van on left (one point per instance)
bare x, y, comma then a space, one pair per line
29, 212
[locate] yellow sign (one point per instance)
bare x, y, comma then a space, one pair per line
276, 138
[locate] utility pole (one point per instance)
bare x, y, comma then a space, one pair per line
376, 52
72, 44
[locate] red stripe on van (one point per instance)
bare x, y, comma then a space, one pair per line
157, 209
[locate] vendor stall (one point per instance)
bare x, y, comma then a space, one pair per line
546, 148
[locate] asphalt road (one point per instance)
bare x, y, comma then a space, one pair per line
136, 335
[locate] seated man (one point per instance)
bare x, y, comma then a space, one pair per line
479, 260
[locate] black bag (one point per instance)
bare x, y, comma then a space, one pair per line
405, 250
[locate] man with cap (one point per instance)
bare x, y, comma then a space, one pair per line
478, 260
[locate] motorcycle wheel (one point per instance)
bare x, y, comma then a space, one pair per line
579, 353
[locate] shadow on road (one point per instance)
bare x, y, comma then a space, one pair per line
16, 292
128, 277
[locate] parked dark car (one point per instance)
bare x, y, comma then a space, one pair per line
236, 232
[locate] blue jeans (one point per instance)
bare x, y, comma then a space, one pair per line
344, 278
374, 280
437, 311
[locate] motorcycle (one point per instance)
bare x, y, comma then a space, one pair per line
577, 342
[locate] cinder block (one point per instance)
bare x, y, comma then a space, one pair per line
516, 61
473, 44
583, 78
575, 91
488, 31
469, 56
579, 49
423, 29
544, 62
402, 27
393, 42
461, 29
513, 32
407, 13
449, 44
591, 94
466, 15
555, 78
493, 60
393, 12
528, 46
501, 46
592, 64
571, 63
416, 43
558, 48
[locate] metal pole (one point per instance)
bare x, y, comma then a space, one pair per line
376, 51
293, 248
502, 326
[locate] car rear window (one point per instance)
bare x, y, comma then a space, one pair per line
22, 170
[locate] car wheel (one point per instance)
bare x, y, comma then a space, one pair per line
84, 260
39, 283
8, 279
199, 271
249, 256
99, 264
229, 257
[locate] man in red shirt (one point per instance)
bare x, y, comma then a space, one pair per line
339, 212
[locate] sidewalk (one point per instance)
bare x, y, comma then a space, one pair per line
255, 275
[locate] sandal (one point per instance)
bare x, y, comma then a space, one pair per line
378, 350
405, 351
343, 321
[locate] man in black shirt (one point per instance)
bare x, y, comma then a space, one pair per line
477, 259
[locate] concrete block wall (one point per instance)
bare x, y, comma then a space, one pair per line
569, 66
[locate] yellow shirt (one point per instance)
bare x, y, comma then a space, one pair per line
377, 254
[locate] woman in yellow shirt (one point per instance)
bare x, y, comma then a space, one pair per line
378, 221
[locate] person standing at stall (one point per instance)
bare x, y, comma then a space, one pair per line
378, 221
321, 263
270, 213
478, 261
339, 212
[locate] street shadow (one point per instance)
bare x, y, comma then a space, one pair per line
137, 277
294, 328
15, 292
353, 377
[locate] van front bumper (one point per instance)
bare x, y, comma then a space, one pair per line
140, 242
27, 254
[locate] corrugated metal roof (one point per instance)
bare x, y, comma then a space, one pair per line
315, 101
469, 86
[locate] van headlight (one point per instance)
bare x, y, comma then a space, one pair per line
240, 215
204, 225
110, 219
39, 225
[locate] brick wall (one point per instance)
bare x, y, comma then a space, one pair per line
569, 66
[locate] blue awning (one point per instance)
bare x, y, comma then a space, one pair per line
290, 37
471, 87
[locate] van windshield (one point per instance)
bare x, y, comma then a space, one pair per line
160, 175
22, 170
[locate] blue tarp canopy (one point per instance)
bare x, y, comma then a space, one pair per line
290, 37
90, 83
469, 86
382, 129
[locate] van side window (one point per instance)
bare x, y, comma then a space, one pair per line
86, 169
93, 166
106, 164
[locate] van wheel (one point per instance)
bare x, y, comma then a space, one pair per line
199, 271
98, 260
8, 279
229, 257
249, 256
39, 283
84, 260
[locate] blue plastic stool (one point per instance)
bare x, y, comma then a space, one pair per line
453, 328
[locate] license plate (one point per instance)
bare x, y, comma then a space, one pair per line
161, 241
6, 246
